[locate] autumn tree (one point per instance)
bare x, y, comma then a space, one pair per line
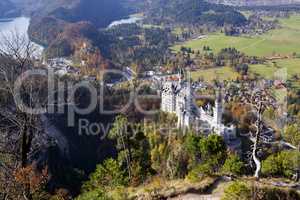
34, 179
18, 126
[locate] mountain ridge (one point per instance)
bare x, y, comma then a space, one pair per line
8, 9
254, 2
193, 12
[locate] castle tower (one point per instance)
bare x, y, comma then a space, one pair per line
180, 75
168, 103
218, 110
184, 105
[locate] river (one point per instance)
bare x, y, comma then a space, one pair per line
19, 25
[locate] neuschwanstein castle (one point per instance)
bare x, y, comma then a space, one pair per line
178, 98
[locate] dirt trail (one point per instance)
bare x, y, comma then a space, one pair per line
197, 197
214, 193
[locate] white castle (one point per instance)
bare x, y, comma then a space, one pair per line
178, 98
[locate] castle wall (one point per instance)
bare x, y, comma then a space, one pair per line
180, 102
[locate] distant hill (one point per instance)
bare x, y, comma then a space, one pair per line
42, 7
49, 17
8, 9
255, 2
100, 13
71, 10
193, 12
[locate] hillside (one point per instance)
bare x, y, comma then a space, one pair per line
68, 7
255, 2
193, 11
100, 13
61, 37
46, 29
42, 7
7, 9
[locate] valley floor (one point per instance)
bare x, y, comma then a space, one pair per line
284, 40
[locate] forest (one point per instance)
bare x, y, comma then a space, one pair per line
193, 12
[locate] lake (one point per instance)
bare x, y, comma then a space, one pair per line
19, 25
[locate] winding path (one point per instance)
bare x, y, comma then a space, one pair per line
214, 193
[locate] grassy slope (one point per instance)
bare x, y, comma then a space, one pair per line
268, 70
284, 40
223, 73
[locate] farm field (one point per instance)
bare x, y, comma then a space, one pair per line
280, 41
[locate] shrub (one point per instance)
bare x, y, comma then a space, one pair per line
213, 146
109, 175
233, 165
199, 172
237, 191
275, 194
285, 163
93, 195
240, 191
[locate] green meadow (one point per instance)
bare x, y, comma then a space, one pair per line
270, 70
285, 40
208, 75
